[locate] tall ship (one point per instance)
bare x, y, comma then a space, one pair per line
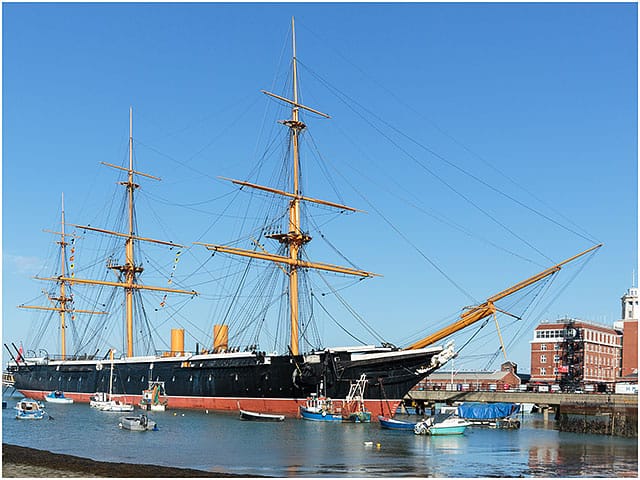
218, 376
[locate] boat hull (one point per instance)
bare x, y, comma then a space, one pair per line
447, 430
61, 401
449, 426
29, 409
58, 397
30, 416
137, 424
154, 407
266, 383
260, 417
319, 416
393, 424
116, 407
358, 417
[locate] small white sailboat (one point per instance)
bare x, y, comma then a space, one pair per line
112, 405
57, 396
116, 406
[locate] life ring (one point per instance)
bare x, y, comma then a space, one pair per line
98, 366
324, 414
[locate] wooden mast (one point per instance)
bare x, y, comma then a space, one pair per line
129, 266
63, 301
295, 238
129, 269
63, 298
474, 314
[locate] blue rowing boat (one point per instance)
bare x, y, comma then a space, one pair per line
395, 424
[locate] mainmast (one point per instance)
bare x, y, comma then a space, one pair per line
130, 270
63, 301
295, 238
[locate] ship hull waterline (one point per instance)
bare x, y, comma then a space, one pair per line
257, 381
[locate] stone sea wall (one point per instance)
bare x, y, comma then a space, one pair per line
609, 419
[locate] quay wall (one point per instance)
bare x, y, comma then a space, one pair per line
609, 419
597, 413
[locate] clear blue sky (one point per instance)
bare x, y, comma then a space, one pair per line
531, 98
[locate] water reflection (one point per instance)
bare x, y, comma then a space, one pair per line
222, 443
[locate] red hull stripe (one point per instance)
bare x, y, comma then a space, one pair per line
284, 406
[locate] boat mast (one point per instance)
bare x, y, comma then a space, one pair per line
295, 238
129, 269
111, 374
63, 298
64, 302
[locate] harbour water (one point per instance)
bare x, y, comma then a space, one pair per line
221, 442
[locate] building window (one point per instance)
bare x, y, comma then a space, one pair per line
543, 371
555, 371
556, 358
543, 346
556, 346
543, 359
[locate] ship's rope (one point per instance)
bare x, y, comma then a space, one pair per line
333, 319
339, 52
346, 100
413, 203
352, 311
416, 248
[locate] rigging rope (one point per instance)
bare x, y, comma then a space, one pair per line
340, 96
586, 235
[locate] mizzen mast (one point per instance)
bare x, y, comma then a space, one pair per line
130, 270
295, 238
63, 301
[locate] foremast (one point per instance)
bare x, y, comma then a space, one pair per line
295, 238
63, 302
130, 270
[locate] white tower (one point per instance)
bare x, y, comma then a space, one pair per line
630, 304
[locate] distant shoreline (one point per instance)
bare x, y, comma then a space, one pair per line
21, 462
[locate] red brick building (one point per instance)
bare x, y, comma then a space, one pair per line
504, 379
575, 352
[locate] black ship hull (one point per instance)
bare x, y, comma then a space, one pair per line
253, 380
